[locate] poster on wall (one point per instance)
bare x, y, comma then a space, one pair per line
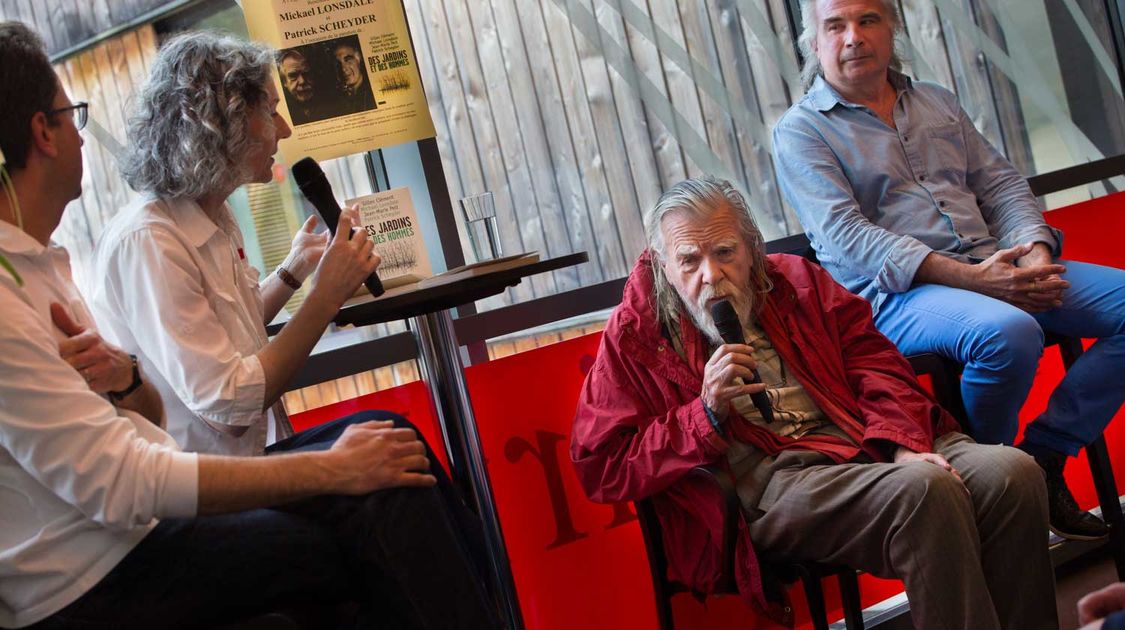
346, 74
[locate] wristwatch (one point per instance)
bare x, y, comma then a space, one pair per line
132, 386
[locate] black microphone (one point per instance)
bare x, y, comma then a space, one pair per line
315, 187
730, 329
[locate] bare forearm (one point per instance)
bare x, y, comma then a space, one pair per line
234, 484
145, 401
938, 269
287, 352
367, 457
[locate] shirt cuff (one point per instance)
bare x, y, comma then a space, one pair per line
181, 488
243, 406
714, 420
1052, 237
902, 262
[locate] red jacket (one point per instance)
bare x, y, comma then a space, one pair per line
640, 425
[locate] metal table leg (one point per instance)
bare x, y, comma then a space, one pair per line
440, 358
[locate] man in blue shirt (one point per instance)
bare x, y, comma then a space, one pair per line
909, 206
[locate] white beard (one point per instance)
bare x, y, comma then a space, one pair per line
741, 300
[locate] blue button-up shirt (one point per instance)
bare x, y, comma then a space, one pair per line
875, 201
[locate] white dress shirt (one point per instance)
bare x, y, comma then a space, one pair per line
175, 288
81, 483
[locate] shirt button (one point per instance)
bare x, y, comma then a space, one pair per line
941, 203
660, 348
906, 138
921, 178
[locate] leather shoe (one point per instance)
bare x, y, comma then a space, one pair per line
1067, 519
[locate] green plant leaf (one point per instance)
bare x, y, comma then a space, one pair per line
12, 270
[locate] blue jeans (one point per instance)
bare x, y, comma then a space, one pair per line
394, 558
1000, 346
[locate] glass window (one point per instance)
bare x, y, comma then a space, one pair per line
1038, 78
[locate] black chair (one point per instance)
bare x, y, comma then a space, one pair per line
788, 569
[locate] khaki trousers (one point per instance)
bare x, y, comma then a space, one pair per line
972, 555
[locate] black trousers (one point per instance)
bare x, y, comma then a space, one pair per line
398, 558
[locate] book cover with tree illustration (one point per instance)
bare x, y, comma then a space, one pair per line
391, 223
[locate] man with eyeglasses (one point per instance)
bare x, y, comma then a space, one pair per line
105, 522
79, 110
836, 452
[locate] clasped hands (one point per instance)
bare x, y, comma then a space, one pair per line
1024, 276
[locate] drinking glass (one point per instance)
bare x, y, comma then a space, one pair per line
480, 215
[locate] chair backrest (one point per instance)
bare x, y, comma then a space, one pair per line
796, 244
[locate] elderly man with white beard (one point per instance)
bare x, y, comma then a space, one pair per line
858, 464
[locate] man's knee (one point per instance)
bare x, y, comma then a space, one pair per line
1009, 338
380, 415
925, 488
1015, 477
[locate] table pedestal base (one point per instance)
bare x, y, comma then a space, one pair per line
440, 359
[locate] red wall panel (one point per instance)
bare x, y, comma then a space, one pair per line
578, 564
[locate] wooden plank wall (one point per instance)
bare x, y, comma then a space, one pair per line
528, 105
67, 23
576, 114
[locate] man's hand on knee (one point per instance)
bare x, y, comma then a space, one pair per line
375, 455
904, 455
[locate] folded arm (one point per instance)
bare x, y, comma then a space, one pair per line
74, 442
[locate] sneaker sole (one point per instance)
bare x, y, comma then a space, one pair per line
1069, 536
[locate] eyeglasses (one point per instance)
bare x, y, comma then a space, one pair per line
80, 109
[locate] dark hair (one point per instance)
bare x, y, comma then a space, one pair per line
28, 84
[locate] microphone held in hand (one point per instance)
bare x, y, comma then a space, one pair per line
730, 329
315, 187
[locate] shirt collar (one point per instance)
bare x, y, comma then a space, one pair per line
824, 97
192, 220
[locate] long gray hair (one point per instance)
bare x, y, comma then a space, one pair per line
188, 133
701, 197
805, 42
